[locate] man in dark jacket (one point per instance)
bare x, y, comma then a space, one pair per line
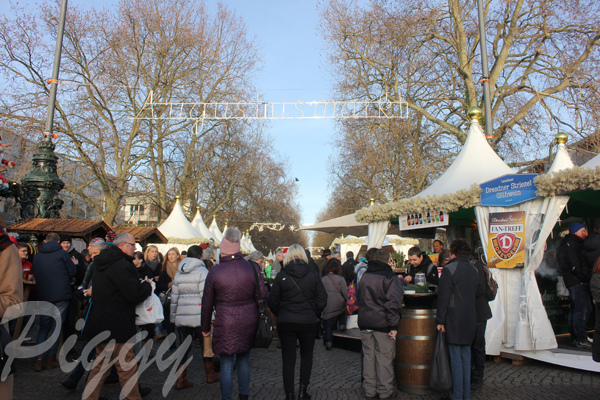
325, 256
569, 257
420, 262
456, 314
53, 271
379, 297
116, 291
484, 313
348, 268
80, 265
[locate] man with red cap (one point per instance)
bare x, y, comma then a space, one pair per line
569, 257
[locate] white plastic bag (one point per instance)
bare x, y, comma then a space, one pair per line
150, 311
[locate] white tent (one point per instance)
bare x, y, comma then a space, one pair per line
476, 163
347, 225
593, 163
214, 229
354, 244
178, 229
520, 320
200, 226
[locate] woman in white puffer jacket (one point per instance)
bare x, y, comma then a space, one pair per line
186, 305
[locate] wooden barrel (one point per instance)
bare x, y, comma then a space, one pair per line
415, 345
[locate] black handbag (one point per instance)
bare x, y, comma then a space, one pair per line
264, 329
440, 378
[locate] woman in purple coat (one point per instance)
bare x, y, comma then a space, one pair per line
230, 291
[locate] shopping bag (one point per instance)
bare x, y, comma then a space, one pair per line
208, 351
440, 378
150, 311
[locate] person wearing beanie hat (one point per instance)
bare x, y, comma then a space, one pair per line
577, 228
321, 262
569, 255
230, 289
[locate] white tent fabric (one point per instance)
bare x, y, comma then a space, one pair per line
200, 226
354, 247
214, 229
477, 162
377, 232
178, 226
525, 324
245, 244
347, 225
593, 163
562, 160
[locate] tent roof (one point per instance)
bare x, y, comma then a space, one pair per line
78, 228
476, 163
200, 226
347, 225
562, 160
593, 163
214, 228
178, 226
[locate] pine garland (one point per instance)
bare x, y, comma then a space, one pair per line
568, 180
465, 198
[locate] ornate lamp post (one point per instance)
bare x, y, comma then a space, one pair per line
41, 186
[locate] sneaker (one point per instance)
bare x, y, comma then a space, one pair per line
583, 345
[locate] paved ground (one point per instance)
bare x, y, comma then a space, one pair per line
336, 375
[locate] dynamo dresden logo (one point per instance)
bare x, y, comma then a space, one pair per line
506, 245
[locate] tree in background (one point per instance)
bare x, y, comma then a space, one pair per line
108, 141
544, 64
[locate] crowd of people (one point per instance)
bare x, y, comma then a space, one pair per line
214, 306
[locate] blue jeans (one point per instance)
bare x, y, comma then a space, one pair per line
242, 363
580, 309
460, 366
329, 326
48, 326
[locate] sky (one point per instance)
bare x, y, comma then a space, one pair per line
293, 71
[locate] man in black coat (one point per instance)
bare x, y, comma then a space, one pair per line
456, 314
484, 313
53, 271
116, 290
348, 268
570, 263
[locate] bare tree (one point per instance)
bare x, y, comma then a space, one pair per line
111, 61
543, 58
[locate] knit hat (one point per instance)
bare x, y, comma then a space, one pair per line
228, 247
576, 227
110, 237
65, 238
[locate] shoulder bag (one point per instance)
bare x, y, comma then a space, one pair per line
264, 329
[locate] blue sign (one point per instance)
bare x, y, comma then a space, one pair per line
508, 190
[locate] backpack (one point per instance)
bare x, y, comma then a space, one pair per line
351, 300
491, 289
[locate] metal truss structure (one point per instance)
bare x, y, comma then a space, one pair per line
260, 110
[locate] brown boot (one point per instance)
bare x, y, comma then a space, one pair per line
39, 364
52, 363
209, 367
182, 382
